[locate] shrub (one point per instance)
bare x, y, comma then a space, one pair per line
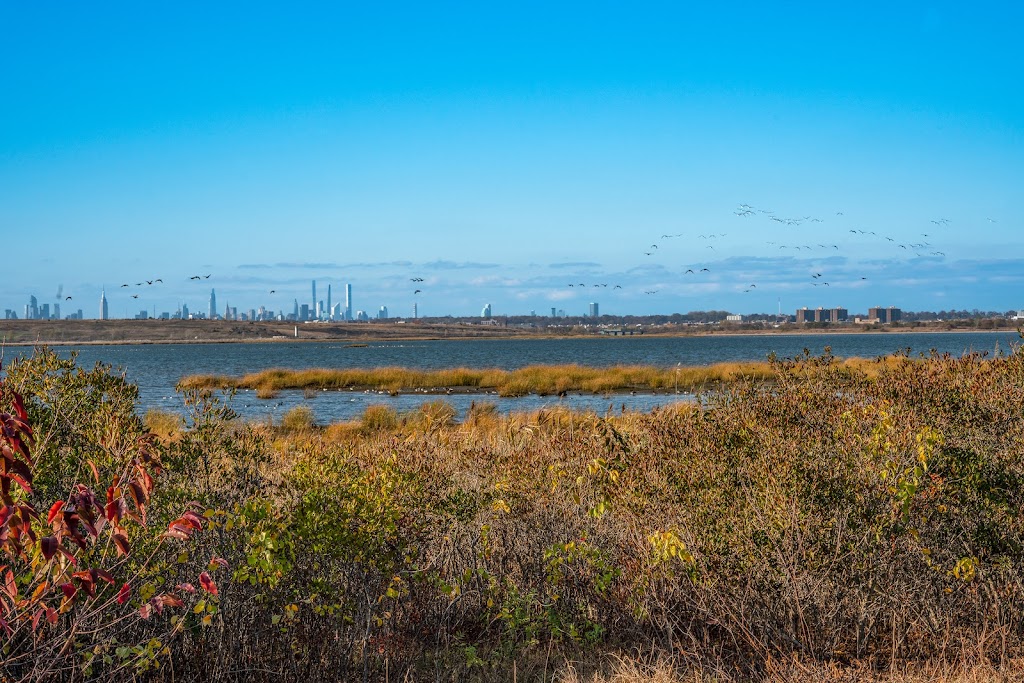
298, 419
377, 418
82, 579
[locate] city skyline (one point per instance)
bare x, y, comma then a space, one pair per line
595, 146
317, 311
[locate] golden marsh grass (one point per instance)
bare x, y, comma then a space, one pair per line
536, 379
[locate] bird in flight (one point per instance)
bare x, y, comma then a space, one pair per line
125, 284
688, 270
417, 291
67, 298
135, 296
273, 291
207, 277
705, 270
194, 277
617, 287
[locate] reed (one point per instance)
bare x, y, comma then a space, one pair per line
535, 379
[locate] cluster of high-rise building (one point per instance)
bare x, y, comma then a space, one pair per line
35, 311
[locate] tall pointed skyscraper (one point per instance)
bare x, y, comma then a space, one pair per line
313, 306
348, 302
104, 312
330, 313
212, 313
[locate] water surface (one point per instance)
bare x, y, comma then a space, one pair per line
156, 368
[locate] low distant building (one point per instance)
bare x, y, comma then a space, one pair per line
734, 318
821, 315
885, 315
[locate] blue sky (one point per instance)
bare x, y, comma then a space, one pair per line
504, 151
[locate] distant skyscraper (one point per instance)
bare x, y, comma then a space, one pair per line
382, 314
104, 313
415, 311
593, 310
330, 313
314, 296
212, 313
553, 312
348, 302
33, 308
184, 312
486, 313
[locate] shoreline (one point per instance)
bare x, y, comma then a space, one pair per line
359, 341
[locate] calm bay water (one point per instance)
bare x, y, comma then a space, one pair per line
156, 368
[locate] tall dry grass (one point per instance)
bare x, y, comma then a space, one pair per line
538, 379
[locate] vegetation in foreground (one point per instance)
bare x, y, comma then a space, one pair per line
831, 524
534, 379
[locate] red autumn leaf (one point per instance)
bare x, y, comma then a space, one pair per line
122, 595
145, 611
138, 494
48, 546
169, 600
19, 407
54, 509
115, 511
20, 482
51, 615
219, 561
195, 520
87, 580
35, 619
206, 581
187, 587
121, 541
21, 469
71, 558
10, 585
69, 590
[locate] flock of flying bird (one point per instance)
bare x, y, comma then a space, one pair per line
920, 248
